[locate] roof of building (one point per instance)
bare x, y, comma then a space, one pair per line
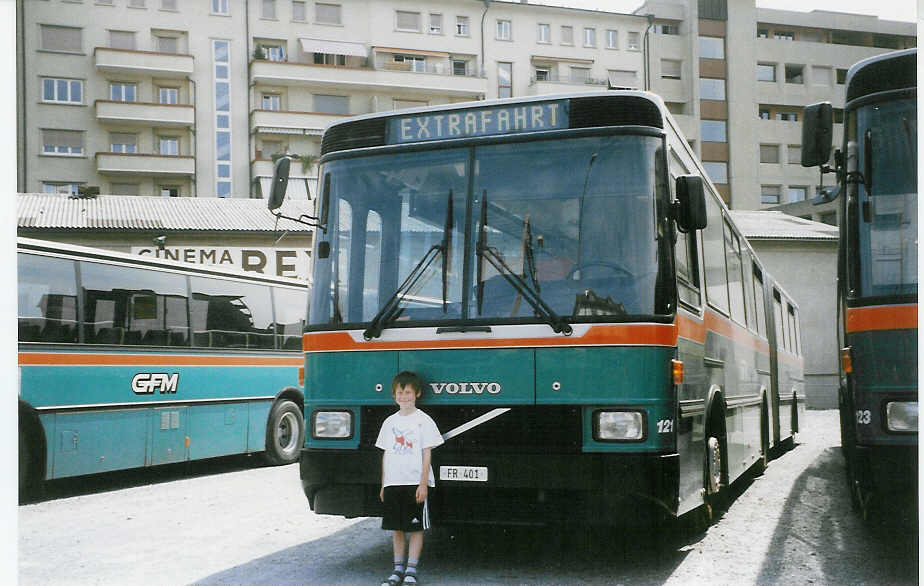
129, 212
773, 225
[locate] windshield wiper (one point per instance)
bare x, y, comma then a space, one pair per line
392, 308
558, 323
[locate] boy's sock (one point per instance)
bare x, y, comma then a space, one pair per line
399, 566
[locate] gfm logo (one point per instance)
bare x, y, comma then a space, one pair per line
147, 383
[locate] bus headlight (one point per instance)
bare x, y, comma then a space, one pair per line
332, 425
902, 416
618, 426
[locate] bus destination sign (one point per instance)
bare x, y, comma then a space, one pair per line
494, 120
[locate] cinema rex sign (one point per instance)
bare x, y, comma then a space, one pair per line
281, 262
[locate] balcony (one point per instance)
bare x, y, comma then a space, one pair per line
145, 164
554, 84
145, 114
425, 83
143, 62
286, 122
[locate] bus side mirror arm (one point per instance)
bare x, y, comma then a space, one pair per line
278, 194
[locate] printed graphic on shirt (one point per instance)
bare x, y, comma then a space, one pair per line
403, 440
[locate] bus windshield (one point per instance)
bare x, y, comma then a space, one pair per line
572, 221
888, 232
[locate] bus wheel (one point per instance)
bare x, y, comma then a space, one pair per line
285, 433
713, 488
764, 458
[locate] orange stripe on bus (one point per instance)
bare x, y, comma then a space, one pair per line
884, 317
623, 334
78, 359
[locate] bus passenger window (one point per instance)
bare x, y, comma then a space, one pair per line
778, 318
735, 278
291, 306
793, 330
760, 307
687, 269
714, 253
228, 314
47, 299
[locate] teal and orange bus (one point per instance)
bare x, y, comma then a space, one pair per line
129, 361
876, 168
593, 329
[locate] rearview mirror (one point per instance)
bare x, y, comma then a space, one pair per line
691, 203
817, 122
280, 183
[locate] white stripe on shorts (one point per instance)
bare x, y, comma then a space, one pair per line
426, 515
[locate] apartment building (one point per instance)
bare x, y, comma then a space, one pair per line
738, 77
197, 97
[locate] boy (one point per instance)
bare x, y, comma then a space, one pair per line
406, 437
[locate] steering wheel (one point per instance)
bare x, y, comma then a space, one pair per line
616, 268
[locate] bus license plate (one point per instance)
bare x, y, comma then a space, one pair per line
464, 473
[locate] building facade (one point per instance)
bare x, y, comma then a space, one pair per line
197, 97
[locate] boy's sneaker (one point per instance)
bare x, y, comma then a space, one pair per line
394, 580
410, 579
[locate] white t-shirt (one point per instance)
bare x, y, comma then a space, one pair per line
403, 437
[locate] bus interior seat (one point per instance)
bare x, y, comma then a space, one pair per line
29, 332
132, 338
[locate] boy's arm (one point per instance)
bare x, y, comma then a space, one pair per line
424, 476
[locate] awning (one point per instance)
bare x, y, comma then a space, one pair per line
333, 47
410, 52
295, 190
546, 58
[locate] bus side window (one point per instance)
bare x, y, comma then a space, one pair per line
47, 308
760, 305
747, 280
714, 253
228, 314
289, 318
685, 252
778, 318
735, 278
793, 329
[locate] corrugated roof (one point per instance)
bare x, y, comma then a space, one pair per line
127, 212
774, 225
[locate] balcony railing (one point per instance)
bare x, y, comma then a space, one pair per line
146, 114
568, 79
143, 62
145, 164
289, 122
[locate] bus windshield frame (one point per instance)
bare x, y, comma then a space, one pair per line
885, 218
517, 198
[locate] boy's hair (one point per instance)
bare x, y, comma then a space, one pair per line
405, 378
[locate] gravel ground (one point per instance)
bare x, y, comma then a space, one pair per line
228, 522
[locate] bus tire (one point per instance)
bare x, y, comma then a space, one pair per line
285, 433
761, 465
713, 493
30, 464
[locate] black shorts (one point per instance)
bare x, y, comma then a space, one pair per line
402, 512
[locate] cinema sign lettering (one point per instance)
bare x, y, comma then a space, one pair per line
282, 262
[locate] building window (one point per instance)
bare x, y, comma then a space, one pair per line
504, 80
459, 67
543, 33
841, 76
590, 37
667, 29
670, 69
169, 190
169, 145
612, 39
123, 92
331, 104
273, 52
220, 7
766, 72
567, 35
787, 116
327, 13
268, 9
56, 188
329, 59
769, 153
711, 89
579, 74
763, 113
436, 24
784, 35
712, 47
272, 102
794, 73
622, 78
221, 67
763, 33
769, 194
633, 43
62, 91
718, 172
462, 26
542, 74
413, 63
168, 44
407, 21
298, 10
821, 76
62, 142
713, 131
838, 115
504, 32
794, 156
169, 95
61, 38
796, 193
122, 40
123, 142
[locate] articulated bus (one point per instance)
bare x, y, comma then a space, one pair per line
129, 361
877, 290
593, 330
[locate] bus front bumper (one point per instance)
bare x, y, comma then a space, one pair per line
522, 488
